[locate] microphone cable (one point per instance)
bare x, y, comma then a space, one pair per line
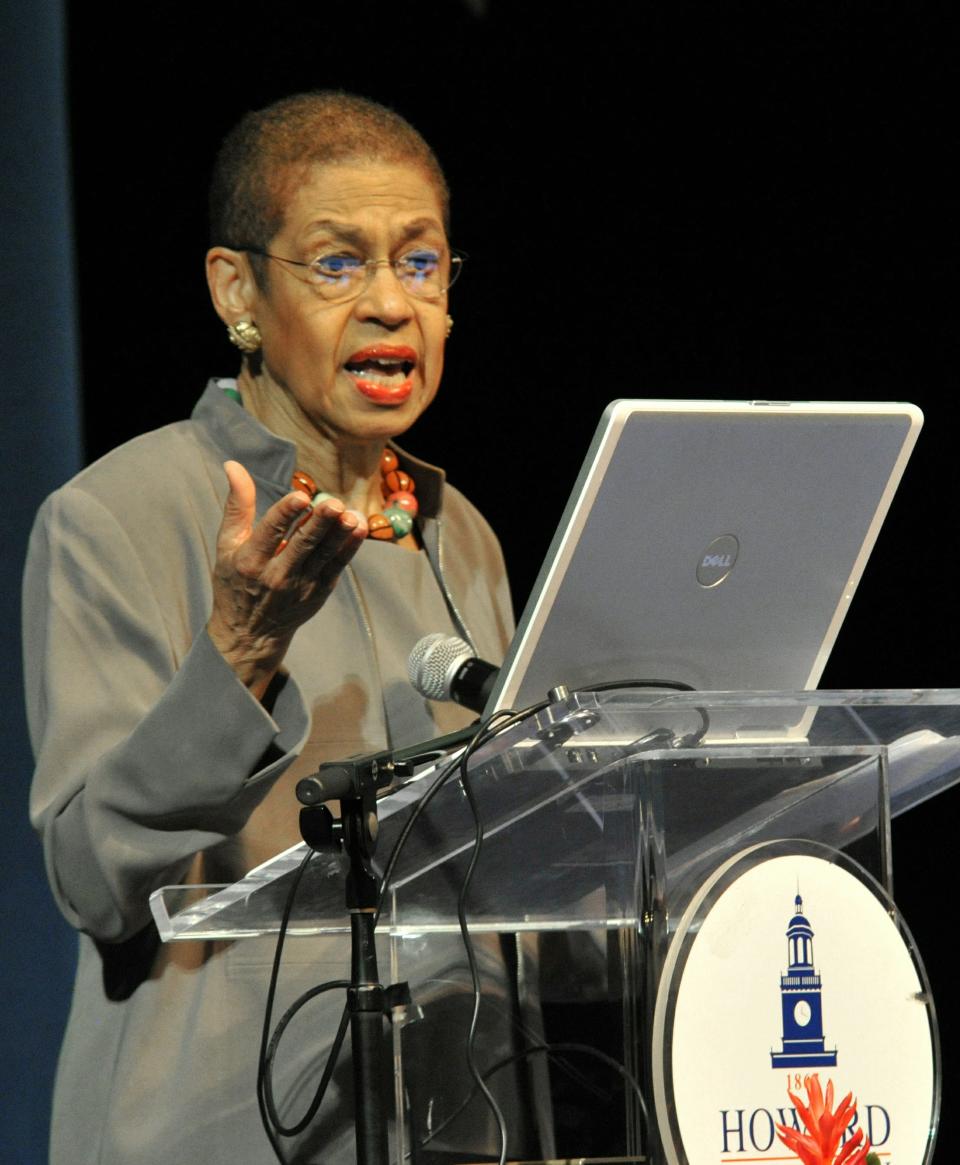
494, 726
269, 1043
269, 1117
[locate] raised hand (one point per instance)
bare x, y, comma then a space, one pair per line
267, 580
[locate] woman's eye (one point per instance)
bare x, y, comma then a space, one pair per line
420, 264
336, 266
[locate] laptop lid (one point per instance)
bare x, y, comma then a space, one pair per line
715, 543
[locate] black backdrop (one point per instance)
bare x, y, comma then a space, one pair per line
661, 199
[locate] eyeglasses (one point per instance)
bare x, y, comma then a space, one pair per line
423, 273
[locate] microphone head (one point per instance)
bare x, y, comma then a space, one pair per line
434, 662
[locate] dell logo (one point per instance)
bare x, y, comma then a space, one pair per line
717, 560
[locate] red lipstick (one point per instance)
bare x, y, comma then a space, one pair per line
382, 372
384, 352
385, 394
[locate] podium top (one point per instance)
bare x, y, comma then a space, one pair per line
571, 796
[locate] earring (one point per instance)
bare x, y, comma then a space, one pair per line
449, 325
245, 335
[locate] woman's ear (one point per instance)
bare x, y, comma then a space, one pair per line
231, 283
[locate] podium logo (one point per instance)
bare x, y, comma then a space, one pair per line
801, 1009
742, 1011
717, 560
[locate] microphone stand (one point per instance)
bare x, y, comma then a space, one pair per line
354, 782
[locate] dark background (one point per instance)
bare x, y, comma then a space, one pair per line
661, 199
680, 200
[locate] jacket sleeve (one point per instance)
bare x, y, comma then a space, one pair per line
148, 747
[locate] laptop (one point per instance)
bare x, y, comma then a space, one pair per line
712, 543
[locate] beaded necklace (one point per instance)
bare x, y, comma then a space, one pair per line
396, 487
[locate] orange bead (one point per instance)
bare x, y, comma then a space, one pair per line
388, 461
304, 481
405, 500
396, 481
380, 528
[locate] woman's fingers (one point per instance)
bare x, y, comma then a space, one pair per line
251, 546
240, 508
274, 529
330, 536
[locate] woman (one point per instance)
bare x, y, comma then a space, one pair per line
199, 635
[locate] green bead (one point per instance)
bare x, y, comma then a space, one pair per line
400, 520
321, 496
233, 395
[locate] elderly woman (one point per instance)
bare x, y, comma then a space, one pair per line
216, 607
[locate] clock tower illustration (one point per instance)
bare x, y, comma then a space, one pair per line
803, 1040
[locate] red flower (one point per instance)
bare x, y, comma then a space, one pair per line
825, 1128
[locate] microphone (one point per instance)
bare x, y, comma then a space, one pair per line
443, 667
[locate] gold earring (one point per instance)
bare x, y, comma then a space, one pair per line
449, 324
245, 335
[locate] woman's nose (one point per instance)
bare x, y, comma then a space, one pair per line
383, 297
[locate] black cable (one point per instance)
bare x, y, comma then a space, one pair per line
483, 733
608, 685
441, 779
488, 733
689, 741
268, 1044
472, 958
329, 1066
268, 1010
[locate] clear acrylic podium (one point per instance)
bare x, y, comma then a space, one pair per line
603, 816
